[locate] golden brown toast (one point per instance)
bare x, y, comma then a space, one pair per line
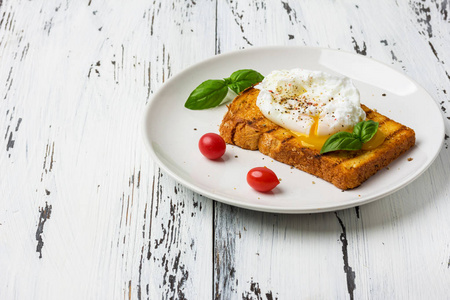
245, 126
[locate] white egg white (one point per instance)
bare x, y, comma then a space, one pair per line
293, 98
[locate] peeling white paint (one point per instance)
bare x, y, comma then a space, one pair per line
75, 77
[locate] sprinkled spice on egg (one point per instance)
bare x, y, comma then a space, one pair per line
305, 97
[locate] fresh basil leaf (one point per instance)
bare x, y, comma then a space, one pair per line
341, 141
365, 130
242, 79
209, 93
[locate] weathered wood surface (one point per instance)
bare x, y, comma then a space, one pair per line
85, 213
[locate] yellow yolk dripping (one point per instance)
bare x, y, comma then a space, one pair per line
312, 140
315, 141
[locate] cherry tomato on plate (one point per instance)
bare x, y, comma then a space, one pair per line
262, 179
212, 145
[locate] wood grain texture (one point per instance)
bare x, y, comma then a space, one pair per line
86, 214
78, 78
361, 267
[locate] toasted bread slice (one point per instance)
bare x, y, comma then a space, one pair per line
245, 126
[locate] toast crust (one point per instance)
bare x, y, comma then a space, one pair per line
245, 126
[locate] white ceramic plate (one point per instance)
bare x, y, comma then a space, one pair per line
172, 132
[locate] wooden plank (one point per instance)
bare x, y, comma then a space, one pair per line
88, 213
344, 255
179, 246
389, 232
268, 256
261, 255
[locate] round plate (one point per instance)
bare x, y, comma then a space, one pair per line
172, 131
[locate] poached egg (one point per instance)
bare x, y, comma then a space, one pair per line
313, 105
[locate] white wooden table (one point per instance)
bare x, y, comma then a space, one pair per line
86, 214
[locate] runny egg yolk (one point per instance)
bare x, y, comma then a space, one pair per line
313, 105
315, 141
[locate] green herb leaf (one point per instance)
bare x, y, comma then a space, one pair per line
242, 79
341, 141
209, 93
227, 81
362, 133
365, 130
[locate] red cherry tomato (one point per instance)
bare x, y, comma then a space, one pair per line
262, 179
212, 145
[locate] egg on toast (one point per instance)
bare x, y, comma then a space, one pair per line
245, 126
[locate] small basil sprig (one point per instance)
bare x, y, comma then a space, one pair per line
211, 93
362, 133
